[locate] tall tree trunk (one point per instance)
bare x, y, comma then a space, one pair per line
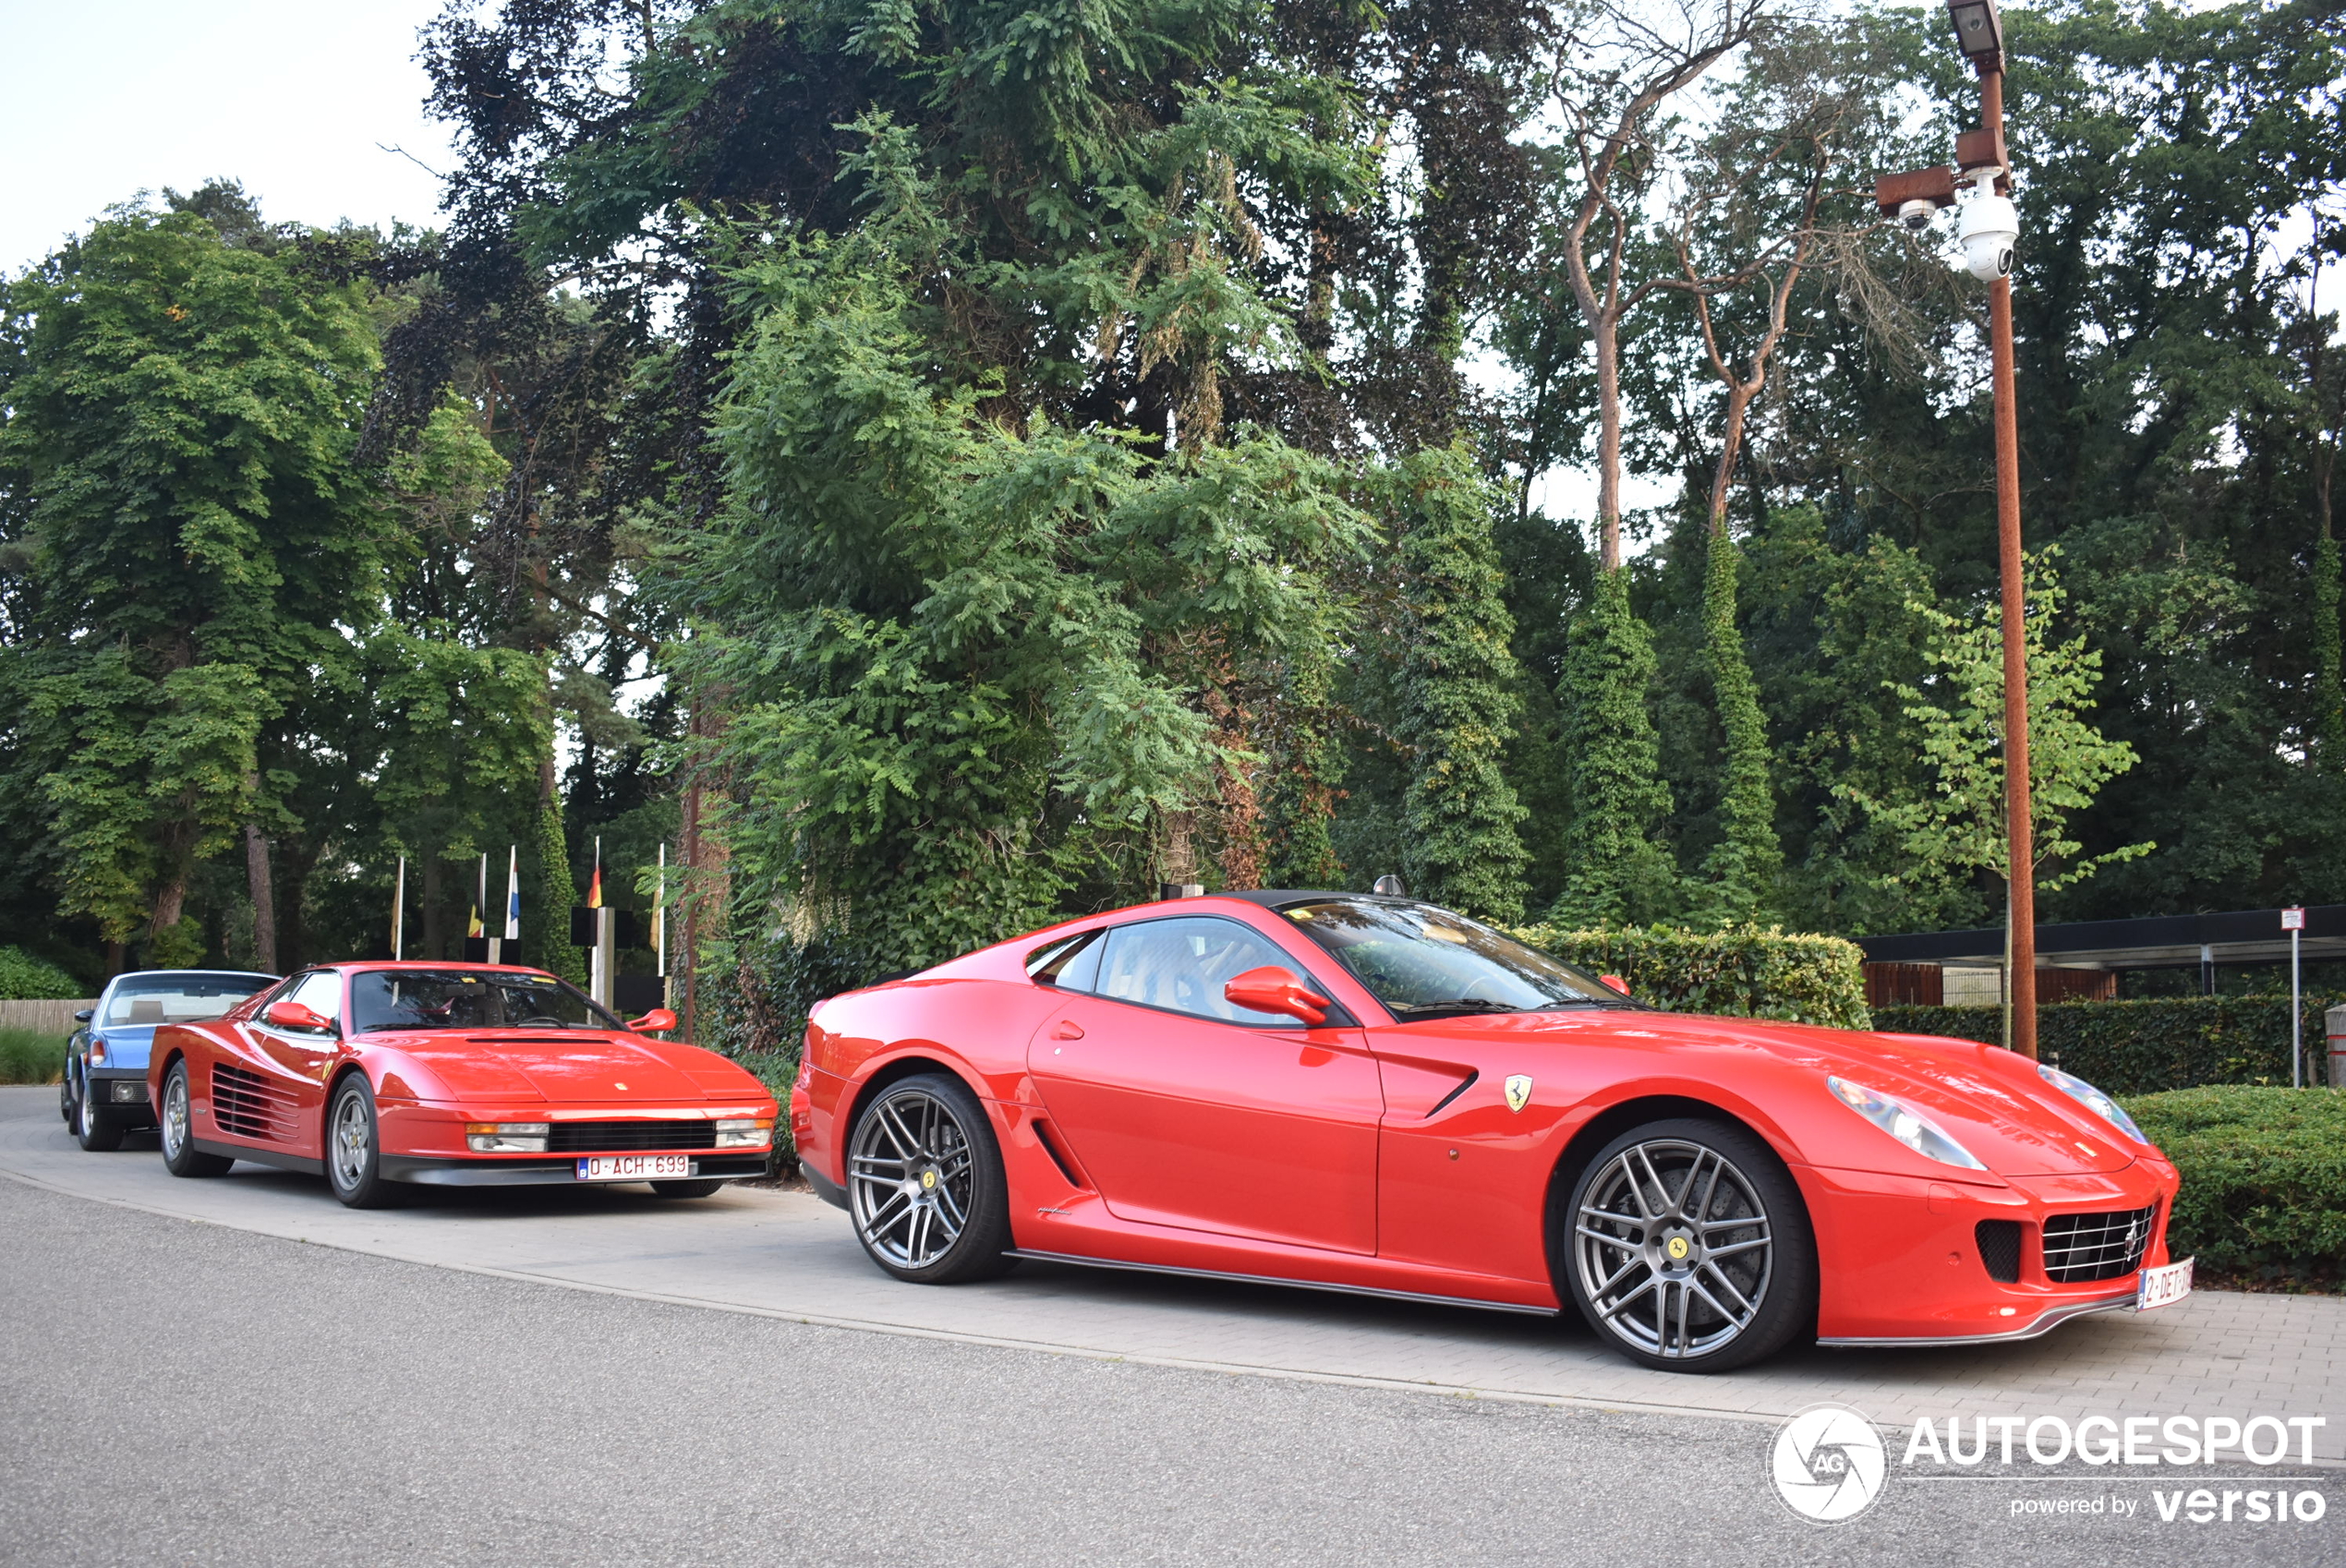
264, 900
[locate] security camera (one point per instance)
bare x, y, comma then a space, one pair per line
1916, 214
1988, 228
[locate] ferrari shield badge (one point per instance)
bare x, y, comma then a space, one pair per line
1518, 1092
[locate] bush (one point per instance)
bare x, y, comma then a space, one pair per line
2145, 1047
1741, 972
27, 1056
24, 978
2264, 1193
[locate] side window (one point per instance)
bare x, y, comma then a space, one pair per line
1182, 964
320, 989
1071, 965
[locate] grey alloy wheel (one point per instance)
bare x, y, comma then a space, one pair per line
1690, 1249
925, 1182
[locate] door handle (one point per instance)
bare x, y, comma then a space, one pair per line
1068, 1030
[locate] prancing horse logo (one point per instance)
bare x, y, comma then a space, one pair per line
1518, 1092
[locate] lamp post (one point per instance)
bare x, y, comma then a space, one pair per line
1989, 227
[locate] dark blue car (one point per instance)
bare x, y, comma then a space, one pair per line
104, 1092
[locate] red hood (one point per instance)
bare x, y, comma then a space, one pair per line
574, 1065
1989, 1100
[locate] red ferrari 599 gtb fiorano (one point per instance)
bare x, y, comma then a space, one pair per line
465, 1075
1372, 1094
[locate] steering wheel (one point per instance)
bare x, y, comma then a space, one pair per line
539, 1017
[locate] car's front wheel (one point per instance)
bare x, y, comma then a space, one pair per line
925, 1182
1688, 1247
353, 1147
180, 1156
94, 1127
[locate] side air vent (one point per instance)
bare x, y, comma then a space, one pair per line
243, 1103
2000, 1248
1048, 1138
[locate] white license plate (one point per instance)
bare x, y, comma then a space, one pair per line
635, 1167
2163, 1288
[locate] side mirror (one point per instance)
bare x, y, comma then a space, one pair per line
1616, 982
658, 1021
1274, 990
85, 1015
297, 1015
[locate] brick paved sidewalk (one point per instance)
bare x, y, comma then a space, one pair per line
785, 1254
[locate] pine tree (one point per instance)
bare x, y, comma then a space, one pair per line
1458, 701
1619, 869
1742, 868
1306, 767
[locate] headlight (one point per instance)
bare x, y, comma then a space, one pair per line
1904, 1123
2093, 1099
505, 1138
744, 1132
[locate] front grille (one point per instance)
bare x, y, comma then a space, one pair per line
2079, 1247
2000, 1249
602, 1138
243, 1103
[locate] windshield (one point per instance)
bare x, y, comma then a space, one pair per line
1424, 962
178, 998
455, 999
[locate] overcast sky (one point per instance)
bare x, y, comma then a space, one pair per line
103, 98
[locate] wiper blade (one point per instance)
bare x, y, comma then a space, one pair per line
1456, 1004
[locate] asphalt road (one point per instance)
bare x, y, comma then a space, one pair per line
183, 1392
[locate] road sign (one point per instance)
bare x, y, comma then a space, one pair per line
2294, 918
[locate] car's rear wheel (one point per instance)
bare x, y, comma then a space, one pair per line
1688, 1247
684, 1188
94, 1127
925, 1182
353, 1147
180, 1156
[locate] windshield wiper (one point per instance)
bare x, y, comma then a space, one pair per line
1456, 1004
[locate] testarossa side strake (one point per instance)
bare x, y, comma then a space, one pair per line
1373, 1094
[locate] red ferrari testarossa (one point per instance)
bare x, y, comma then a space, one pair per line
1372, 1094
467, 1075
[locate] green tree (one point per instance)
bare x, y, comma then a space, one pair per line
1617, 868
1457, 689
1957, 830
190, 550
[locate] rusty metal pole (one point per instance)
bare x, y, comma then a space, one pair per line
2021, 863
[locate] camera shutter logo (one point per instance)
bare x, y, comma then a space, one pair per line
1828, 1464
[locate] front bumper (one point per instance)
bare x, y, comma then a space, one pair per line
1899, 1260
554, 1171
121, 1093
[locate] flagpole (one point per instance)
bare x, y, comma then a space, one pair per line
513, 906
399, 913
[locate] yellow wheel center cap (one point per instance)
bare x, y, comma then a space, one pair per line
928, 1179
1677, 1247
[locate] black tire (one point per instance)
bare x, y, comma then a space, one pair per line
684, 1188
65, 1092
1701, 1220
353, 1147
922, 1156
177, 1115
94, 1127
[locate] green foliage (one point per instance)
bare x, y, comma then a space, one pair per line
27, 1056
1958, 828
557, 894
2264, 1181
2147, 1046
24, 977
1617, 868
1303, 771
1741, 870
194, 544
1742, 972
1456, 690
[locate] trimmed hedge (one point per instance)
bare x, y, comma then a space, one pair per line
2264, 1193
1741, 972
2149, 1046
24, 978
